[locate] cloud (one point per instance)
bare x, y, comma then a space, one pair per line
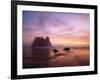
62, 28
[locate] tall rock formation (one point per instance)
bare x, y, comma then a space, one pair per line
40, 50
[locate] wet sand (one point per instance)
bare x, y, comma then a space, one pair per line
72, 58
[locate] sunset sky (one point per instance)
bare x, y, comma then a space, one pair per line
65, 29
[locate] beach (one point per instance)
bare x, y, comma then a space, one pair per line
75, 57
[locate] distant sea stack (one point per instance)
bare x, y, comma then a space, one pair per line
41, 49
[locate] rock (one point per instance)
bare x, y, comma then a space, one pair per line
55, 51
41, 49
41, 42
66, 49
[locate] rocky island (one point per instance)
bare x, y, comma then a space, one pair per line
41, 50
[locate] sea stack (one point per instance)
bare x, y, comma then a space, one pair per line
41, 49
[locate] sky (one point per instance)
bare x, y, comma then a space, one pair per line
65, 29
